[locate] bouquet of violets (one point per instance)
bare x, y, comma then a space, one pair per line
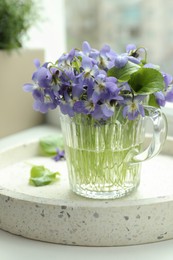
103, 97
93, 82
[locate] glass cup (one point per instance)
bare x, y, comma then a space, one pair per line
104, 157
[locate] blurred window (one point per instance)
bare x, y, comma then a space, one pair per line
146, 23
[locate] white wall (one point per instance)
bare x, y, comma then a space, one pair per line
49, 33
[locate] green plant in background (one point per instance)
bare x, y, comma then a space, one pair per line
16, 17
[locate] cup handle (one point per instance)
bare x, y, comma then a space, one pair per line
160, 129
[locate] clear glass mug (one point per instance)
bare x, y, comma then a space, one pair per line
104, 158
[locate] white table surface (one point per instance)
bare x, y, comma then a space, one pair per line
13, 247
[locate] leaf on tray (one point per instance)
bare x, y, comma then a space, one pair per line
50, 144
40, 176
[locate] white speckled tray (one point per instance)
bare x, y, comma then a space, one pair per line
53, 213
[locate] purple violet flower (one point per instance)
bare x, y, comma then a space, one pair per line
42, 77
133, 59
66, 59
60, 155
67, 104
44, 98
163, 97
167, 79
89, 69
169, 94
84, 106
160, 98
133, 107
103, 86
37, 63
105, 57
103, 111
130, 48
132, 55
44, 101
120, 61
86, 48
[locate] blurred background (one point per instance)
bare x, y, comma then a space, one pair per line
64, 24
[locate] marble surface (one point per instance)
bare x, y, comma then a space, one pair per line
54, 214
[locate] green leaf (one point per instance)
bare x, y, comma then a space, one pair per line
49, 144
146, 81
152, 101
123, 74
40, 176
76, 64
